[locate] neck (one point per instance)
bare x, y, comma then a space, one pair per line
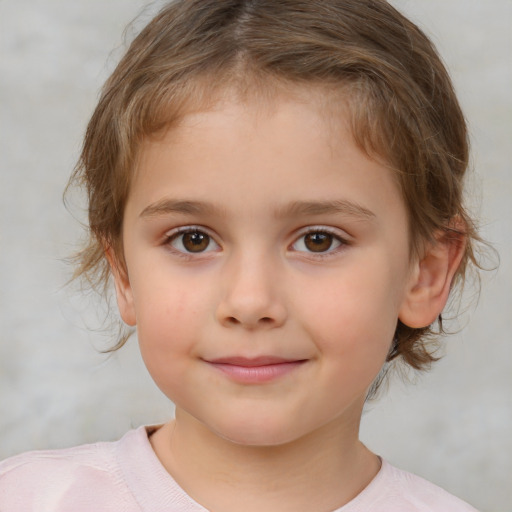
321, 471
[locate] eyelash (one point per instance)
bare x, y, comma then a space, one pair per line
180, 232
336, 238
318, 230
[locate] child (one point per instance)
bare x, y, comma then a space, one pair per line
276, 189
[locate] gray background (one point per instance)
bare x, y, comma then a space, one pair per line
453, 426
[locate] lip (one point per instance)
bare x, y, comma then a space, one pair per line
256, 370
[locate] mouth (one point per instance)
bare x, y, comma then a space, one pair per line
256, 370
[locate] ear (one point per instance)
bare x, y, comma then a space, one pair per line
431, 279
124, 294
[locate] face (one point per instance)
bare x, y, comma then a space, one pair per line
267, 263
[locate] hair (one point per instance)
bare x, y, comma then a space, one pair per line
401, 103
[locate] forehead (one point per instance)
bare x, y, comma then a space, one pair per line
260, 94
286, 123
253, 153
329, 108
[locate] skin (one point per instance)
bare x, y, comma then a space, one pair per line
251, 180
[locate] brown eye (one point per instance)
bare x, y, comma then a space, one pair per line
193, 241
318, 242
196, 241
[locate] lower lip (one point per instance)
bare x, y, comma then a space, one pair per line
257, 374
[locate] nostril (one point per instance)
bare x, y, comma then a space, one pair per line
266, 320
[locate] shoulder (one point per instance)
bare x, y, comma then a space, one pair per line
426, 495
400, 491
55, 479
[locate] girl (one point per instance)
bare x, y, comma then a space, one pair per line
275, 188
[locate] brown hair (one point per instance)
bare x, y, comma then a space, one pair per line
401, 101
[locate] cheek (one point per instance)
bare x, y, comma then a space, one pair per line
354, 332
356, 313
169, 318
166, 340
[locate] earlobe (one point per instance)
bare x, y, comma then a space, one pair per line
123, 289
431, 280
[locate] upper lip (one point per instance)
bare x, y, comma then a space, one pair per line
253, 361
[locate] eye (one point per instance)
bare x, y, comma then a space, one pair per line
192, 240
318, 241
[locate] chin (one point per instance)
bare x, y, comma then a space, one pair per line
257, 432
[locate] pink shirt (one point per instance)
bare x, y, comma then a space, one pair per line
126, 476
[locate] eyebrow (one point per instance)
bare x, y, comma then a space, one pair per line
167, 206
295, 208
340, 206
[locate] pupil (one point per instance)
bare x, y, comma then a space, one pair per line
195, 241
318, 242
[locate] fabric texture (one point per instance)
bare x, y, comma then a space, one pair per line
127, 476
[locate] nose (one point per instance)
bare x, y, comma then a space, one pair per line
252, 297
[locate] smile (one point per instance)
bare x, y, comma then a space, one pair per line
256, 371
